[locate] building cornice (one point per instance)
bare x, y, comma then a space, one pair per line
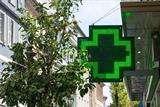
15, 15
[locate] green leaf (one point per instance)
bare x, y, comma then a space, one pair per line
40, 90
37, 77
82, 92
12, 84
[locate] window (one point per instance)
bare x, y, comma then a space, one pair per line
10, 31
7, 29
2, 27
19, 3
13, 2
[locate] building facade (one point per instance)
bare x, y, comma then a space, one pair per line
141, 20
97, 98
9, 28
30, 6
94, 98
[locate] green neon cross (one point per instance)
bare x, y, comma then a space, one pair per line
109, 53
106, 53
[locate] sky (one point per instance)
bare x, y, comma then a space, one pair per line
92, 10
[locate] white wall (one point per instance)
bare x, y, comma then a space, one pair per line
82, 101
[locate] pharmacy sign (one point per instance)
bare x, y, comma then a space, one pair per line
108, 53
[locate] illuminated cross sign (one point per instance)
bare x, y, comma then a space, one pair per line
109, 54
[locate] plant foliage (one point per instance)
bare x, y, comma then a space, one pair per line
123, 99
39, 76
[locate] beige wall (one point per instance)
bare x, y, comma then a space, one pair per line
93, 98
99, 92
96, 96
30, 6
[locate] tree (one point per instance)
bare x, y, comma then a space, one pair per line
123, 99
38, 76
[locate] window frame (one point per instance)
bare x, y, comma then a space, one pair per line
9, 36
19, 4
3, 42
13, 3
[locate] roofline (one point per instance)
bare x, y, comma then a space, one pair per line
80, 30
15, 15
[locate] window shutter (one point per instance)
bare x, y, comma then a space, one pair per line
10, 32
7, 35
2, 27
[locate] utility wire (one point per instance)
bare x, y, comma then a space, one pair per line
108, 13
